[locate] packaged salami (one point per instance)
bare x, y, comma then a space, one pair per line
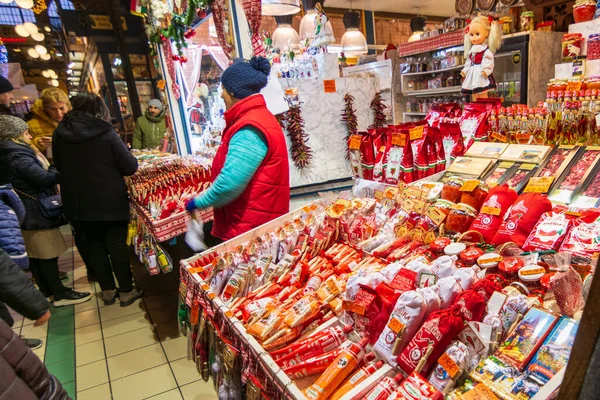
522, 343
557, 162
405, 319
575, 177
438, 331
493, 210
502, 171
521, 175
554, 353
521, 218
549, 232
589, 195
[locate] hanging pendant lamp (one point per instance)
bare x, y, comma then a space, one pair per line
417, 26
285, 34
280, 7
354, 42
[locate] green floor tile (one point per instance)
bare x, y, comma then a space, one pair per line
60, 351
70, 388
63, 370
59, 312
60, 333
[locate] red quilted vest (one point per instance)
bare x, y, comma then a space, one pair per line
268, 193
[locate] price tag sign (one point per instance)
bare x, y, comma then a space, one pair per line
540, 184
574, 85
161, 84
523, 137
396, 325
527, 167
378, 194
332, 286
469, 185
229, 314
506, 164
419, 206
412, 192
436, 215
391, 192
499, 137
449, 365
408, 205
329, 86
398, 139
343, 202
355, 142
416, 133
491, 210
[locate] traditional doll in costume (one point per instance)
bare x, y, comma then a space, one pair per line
323, 31
483, 37
197, 117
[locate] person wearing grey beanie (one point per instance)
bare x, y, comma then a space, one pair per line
35, 182
150, 128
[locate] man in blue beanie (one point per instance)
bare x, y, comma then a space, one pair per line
6, 95
251, 184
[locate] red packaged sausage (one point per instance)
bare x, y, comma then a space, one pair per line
549, 232
438, 331
521, 218
493, 210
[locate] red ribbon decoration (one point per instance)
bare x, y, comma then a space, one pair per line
253, 11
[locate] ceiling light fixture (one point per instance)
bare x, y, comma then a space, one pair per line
38, 36
354, 42
280, 7
21, 31
417, 27
26, 4
30, 27
54, 82
285, 35
45, 74
41, 49
31, 52
71, 65
45, 57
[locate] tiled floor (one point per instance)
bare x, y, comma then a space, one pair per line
110, 352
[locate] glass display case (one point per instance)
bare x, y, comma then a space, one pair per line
145, 94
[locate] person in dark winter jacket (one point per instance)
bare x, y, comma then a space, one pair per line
17, 291
33, 180
23, 375
93, 160
6, 96
12, 214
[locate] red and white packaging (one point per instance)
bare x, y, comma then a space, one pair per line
453, 141
473, 122
399, 156
549, 232
493, 210
521, 218
438, 331
408, 314
447, 289
584, 237
415, 387
384, 388
432, 300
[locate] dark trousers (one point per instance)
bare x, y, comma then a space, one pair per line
104, 240
82, 248
209, 239
5, 315
45, 273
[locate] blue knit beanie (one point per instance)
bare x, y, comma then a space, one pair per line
243, 79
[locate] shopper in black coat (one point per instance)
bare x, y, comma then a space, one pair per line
33, 179
93, 160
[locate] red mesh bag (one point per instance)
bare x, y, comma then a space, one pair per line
437, 331
521, 218
493, 210
379, 310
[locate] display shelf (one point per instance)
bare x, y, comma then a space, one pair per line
433, 92
440, 42
434, 72
414, 114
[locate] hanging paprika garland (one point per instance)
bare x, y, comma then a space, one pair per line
378, 108
39, 6
300, 151
349, 117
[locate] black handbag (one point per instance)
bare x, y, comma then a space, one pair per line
50, 206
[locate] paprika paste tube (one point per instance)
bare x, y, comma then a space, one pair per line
384, 388
357, 378
340, 368
327, 342
313, 366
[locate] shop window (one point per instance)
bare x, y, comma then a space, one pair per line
66, 5
13, 15
139, 66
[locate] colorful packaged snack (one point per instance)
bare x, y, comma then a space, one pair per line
522, 343
554, 353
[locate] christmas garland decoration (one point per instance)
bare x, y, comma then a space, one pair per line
300, 151
349, 118
39, 6
378, 108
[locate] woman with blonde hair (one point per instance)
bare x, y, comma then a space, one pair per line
47, 112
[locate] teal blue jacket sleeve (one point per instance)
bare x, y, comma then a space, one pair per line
247, 150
